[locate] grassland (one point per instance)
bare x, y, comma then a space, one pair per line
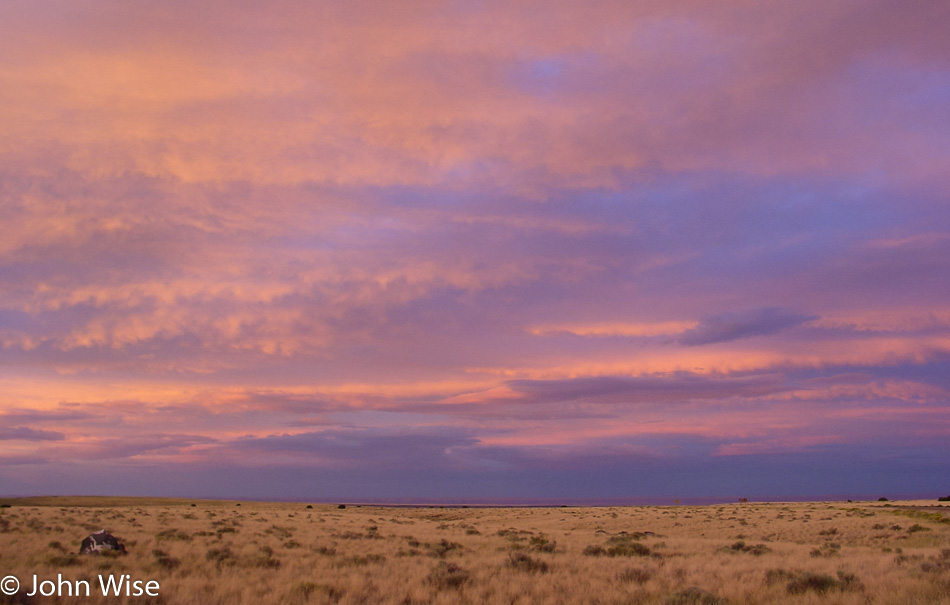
211, 552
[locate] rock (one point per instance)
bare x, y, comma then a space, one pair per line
100, 541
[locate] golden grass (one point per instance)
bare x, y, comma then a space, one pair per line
743, 554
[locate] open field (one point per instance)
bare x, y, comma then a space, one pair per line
249, 552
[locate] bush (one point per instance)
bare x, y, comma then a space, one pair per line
636, 575
448, 575
740, 546
542, 544
164, 561
360, 561
172, 534
522, 562
629, 549
624, 545
594, 550
221, 556
820, 583
442, 548
62, 560
944, 499
305, 589
804, 581
694, 596
57, 546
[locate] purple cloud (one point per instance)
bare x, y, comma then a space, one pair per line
366, 238
731, 326
25, 433
677, 387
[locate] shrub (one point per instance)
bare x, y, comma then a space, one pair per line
943, 499
223, 557
636, 575
522, 562
816, 582
265, 560
282, 533
57, 546
594, 550
62, 560
805, 581
542, 544
919, 514
773, 576
448, 575
628, 549
740, 546
916, 527
305, 589
829, 549
360, 561
164, 561
172, 534
442, 548
694, 596
848, 581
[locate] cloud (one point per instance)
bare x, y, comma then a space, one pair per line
441, 228
24, 433
678, 387
430, 447
106, 446
730, 326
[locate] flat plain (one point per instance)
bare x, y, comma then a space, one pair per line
232, 552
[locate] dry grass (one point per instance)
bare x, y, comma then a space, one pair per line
740, 554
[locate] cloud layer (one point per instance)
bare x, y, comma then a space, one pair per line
475, 250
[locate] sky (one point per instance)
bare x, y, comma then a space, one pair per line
475, 250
